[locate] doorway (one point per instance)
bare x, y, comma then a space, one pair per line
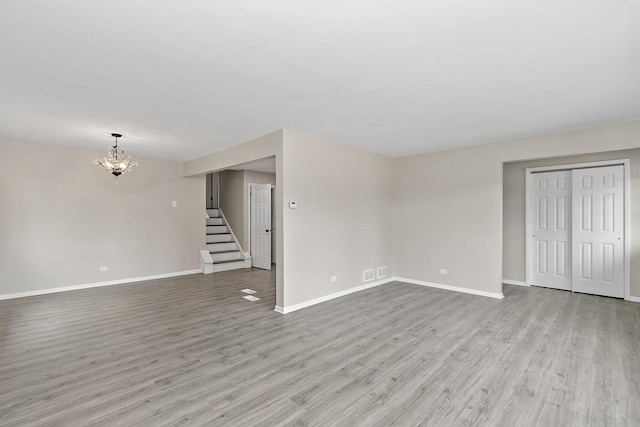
577, 228
212, 184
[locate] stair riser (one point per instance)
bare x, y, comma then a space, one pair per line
225, 246
215, 221
213, 213
214, 238
217, 229
226, 256
229, 266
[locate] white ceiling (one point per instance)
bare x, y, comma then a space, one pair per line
185, 79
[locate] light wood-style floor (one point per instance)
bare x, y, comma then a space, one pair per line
191, 351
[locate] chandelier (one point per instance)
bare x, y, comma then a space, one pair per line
116, 162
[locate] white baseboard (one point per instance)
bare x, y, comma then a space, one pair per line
513, 282
299, 306
98, 284
632, 299
497, 295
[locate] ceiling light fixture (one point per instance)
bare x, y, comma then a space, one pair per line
116, 162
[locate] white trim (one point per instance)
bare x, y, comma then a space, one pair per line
299, 306
626, 163
627, 228
584, 165
514, 282
497, 295
527, 225
205, 257
206, 262
632, 299
295, 307
248, 223
97, 284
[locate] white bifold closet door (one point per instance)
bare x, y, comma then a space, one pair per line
598, 231
551, 219
577, 224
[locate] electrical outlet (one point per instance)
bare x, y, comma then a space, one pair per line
104, 268
334, 278
174, 204
443, 271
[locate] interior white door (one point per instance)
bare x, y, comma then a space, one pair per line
550, 229
598, 231
261, 226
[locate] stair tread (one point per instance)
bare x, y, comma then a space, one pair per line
224, 252
212, 234
228, 260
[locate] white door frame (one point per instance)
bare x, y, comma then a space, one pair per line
626, 163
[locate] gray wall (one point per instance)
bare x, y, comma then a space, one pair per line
449, 204
63, 217
344, 221
513, 265
448, 216
232, 202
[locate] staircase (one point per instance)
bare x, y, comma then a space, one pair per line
222, 244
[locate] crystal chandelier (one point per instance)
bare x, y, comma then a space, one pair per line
116, 162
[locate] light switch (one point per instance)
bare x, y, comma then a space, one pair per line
174, 204
293, 205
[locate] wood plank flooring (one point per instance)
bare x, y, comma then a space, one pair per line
191, 351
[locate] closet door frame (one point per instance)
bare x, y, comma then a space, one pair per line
529, 255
